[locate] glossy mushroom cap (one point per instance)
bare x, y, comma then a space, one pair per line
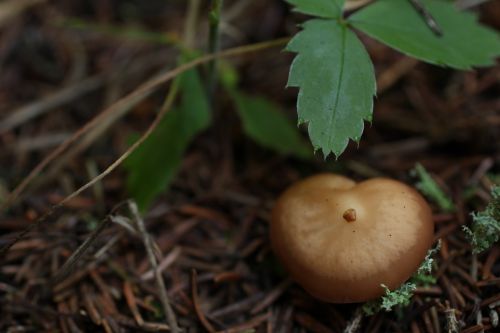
340, 240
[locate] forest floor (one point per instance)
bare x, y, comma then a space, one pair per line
63, 62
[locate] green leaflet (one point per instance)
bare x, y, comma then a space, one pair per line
428, 186
262, 120
321, 8
264, 123
153, 165
337, 84
464, 43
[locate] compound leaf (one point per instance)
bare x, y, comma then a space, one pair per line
337, 83
320, 8
463, 44
153, 165
264, 123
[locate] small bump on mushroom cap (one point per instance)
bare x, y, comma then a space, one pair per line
342, 262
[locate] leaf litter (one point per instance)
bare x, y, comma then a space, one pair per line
214, 219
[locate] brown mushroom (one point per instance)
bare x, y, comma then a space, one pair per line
341, 241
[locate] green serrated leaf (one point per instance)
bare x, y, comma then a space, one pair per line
485, 229
153, 165
337, 84
264, 123
320, 8
463, 44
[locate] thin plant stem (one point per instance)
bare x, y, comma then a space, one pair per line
213, 46
71, 262
190, 25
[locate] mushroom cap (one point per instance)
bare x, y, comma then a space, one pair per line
341, 256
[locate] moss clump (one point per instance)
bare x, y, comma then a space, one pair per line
485, 229
402, 295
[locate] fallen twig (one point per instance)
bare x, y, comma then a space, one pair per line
169, 312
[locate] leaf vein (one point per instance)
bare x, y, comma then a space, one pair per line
333, 115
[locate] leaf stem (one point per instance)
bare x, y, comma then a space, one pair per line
191, 23
213, 46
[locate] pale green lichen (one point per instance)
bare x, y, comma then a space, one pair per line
399, 297
485, 228
402, 296
428, 263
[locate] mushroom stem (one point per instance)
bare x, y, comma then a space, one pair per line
350, 215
